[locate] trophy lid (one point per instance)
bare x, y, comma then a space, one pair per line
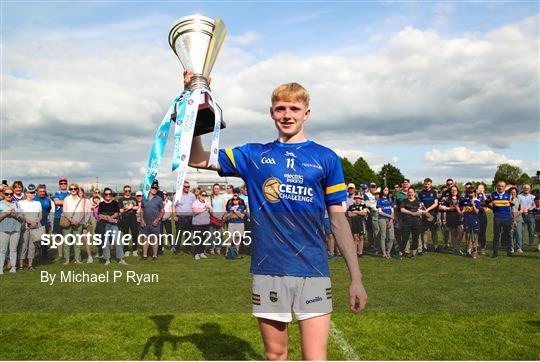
196, 40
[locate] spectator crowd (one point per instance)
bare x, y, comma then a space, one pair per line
389, 223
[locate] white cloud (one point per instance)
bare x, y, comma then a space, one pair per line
468, 164
101, 107
247, 38
375, 160
465, 157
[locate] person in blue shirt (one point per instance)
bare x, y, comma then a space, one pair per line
481, 196
469, 207
499, 201
46, 206
58, 199
291, 181
385, 206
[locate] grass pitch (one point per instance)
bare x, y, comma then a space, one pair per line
439, 306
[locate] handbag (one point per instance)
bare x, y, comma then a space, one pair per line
64, 221
214, 220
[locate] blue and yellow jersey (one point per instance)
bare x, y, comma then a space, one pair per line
470, 218
289, 188
482, 199
428, 197
502, 208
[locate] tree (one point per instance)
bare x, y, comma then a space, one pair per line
392, 173
507, 172
364, 173
524, 179
348, 170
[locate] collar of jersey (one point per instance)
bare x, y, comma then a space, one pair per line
281, 144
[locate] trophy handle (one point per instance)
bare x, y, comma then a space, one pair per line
216, 42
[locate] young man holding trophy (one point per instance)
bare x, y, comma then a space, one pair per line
291, 182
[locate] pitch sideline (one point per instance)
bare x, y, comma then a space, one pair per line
345, 347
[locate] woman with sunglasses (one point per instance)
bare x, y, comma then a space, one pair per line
201, 224
87, 221
32, 229
109, 214
236, 212
74, 210
11, 217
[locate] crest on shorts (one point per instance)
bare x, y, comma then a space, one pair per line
273, 297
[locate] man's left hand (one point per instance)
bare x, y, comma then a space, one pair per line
357, 296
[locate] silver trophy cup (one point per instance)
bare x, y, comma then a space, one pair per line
196, 41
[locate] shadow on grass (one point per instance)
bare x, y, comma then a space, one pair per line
213, 344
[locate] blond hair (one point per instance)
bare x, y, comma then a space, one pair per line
291, 92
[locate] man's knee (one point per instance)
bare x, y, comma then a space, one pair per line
276, 355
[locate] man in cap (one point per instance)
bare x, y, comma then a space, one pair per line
58, 199
372, 222
151, 215
46, 206
351, 191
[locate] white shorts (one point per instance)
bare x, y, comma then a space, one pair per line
273, 297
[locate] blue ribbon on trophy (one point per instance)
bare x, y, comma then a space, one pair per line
196, 40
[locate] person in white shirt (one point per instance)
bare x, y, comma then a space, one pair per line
74, 210
201, 224
217, 201
86, 222
527, 202
229, 193
166, 219
32, 229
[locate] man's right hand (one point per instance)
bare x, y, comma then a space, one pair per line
187, 78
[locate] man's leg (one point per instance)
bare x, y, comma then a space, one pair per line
314, 336
506, 235
275, 339
530, 226
497, 231
482, 232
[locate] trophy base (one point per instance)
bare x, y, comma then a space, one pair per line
205, 118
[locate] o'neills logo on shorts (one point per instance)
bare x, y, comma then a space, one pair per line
274, 190
314, 300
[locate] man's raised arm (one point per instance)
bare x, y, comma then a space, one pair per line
198, 158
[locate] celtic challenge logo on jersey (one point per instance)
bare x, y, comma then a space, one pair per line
274, 190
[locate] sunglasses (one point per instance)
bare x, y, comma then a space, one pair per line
31, 192
8, 193
186, 187
139, 195
107, 194
203, 195
127, 190
73, 189
63, 183
154, 188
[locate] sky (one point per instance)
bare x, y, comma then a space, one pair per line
439, 89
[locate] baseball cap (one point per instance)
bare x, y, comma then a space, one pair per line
357, 196
351, 186
30, 188
373, 184
62, 179
138, 193
364, 186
